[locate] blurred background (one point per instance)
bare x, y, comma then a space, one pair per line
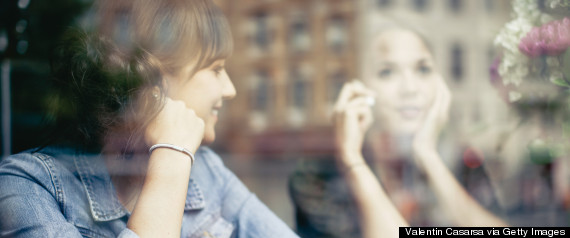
290, 60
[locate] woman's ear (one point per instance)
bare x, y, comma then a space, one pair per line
165, 84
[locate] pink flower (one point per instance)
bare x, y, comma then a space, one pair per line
552, 38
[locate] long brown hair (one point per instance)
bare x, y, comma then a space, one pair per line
107, 71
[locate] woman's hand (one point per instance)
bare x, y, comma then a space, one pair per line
425, 140
176, 124
352, 118
159, 208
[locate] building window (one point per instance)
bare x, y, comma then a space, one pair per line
491, 54
383, 3
262, 86
300, 94
337, 80
420, 5
299, 87
336, 35
455, 5
541, 4
300, 38
490, 5
457, 56
262, 34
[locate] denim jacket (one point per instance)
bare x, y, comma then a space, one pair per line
60, 192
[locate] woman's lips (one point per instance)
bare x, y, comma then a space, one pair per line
409, 112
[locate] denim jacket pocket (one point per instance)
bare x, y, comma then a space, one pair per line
214, 227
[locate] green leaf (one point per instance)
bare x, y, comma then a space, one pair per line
560, 82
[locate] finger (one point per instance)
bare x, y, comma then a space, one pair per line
366, 117
344, 96
362, 90
358, 101
351, 90
358, 108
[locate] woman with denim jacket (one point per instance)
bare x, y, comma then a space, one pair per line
140, 88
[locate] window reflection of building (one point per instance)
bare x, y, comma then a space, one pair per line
261, 84
300, 38
420, 5
261, 36
300, 88
260, 33
383, 3
490, 5
276, 39
281, 37
335, 82
455, 5
457, 62
260, 92
336, 36
295, 44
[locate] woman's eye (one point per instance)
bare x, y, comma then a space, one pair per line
423, 69
385, 73
218, 70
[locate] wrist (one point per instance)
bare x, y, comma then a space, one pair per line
172, 147
352, 167
424, 156
168, 165
348, 158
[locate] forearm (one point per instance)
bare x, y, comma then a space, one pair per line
378, 216
159, 209
456, 201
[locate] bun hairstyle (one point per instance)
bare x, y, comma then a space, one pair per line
108, 73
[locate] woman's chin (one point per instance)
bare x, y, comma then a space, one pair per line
406, 128
209, 137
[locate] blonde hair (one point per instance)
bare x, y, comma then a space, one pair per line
377, 26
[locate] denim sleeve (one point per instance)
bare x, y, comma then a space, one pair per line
256, 220
29, 195
28, 207
251, 216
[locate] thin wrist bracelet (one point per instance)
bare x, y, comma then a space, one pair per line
173, 147
350, 167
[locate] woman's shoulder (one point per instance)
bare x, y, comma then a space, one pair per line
42, 165
30, 163
31, 167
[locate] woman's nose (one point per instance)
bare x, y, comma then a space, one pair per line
408, 84
228, 88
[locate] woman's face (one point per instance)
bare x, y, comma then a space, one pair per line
401, 71
204, 92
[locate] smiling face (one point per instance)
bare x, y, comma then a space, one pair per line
400, 69
204, 92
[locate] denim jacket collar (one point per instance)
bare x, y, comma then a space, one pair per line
103, 200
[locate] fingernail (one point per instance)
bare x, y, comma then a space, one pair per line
370, 101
